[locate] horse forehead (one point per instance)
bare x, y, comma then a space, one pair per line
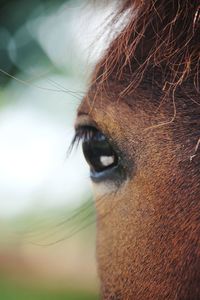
111, 103
115, 118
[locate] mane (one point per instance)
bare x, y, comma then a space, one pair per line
159, 35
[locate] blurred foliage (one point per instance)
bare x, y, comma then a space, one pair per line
16, 291
16, 41
20, 50
51, 226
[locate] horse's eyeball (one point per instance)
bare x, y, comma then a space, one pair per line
99, 154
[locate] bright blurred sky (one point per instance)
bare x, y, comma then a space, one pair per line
36, 128
33, 162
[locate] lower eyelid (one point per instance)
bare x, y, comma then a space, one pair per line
106, 175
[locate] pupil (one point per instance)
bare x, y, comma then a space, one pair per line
99, 153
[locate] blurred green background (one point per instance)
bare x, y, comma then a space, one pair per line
47, 218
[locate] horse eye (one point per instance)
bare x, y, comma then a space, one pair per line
99, 153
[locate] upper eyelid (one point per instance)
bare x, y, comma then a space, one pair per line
91, 128
84, 120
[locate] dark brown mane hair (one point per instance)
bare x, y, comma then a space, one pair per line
158, 35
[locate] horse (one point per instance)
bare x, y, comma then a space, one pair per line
140, 130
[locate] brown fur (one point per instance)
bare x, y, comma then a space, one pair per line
144, 95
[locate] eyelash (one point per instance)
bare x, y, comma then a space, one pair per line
83, 134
